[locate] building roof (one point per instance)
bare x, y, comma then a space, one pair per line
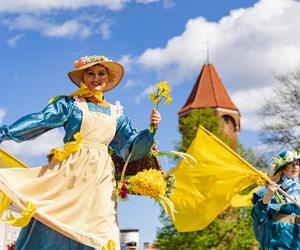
208, 92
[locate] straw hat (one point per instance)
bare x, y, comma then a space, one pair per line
115, 70
281, 160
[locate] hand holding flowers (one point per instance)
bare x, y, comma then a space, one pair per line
155, 118
163, 92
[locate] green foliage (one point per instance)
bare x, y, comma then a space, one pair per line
189, 124
230, 230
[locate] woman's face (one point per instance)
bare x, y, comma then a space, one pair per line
292, 170
96, 77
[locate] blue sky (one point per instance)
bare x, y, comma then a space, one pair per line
156, 40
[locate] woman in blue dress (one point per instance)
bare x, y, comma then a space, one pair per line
74, 194
276, 223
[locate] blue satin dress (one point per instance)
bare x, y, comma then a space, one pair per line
272, 234
64, 112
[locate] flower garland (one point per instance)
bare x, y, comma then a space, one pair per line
284, 158
90, 59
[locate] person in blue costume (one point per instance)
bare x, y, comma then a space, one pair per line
74, 194
276, 224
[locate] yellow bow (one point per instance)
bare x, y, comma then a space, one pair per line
69, 148
25, 218
84, 91
5, 202
111, 245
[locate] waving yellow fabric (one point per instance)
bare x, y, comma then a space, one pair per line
202, 192
9, 161
243, 200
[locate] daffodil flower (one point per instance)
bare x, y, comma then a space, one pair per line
163, 92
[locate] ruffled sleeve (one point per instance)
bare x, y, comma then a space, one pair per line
129, 140
33, 125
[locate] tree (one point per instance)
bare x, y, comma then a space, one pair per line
281, 114
189, 124
230, 230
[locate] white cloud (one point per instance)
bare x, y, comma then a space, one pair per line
80, 27
2, 114
12, 42
68, 28
247, 47
146, 1
41, 146
129, 84
144, 94
256, 41
26, 6
105, 29
127, 61
33, 6
168, 3
249, 102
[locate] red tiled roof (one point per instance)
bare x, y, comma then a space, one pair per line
208, 91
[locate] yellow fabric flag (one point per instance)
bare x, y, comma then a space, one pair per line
9, 161
243, 200
202, 192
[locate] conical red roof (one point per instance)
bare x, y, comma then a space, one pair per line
208, 92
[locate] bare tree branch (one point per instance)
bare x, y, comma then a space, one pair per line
281, 114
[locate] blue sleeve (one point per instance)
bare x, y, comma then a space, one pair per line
129, 140
260, 212
31, 126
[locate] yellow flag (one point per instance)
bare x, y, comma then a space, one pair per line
243, 200
202, 192
9, 161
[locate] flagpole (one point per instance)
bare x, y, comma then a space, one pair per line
289, 197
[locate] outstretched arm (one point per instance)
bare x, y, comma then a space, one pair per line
31, 126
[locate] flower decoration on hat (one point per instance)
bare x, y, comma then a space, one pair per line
283, 158
90, 59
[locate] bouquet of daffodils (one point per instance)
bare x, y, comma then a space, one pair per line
162, 92
153, 183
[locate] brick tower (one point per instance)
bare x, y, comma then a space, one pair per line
209, 92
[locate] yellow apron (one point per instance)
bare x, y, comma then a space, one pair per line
76, 196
